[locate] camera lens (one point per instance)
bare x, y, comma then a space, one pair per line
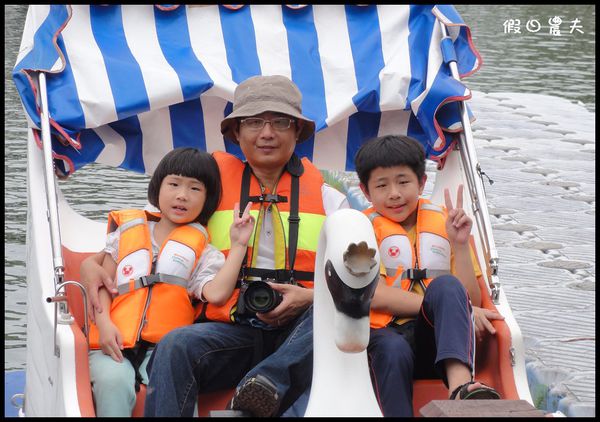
260, 297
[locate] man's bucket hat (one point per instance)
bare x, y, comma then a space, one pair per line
259, 94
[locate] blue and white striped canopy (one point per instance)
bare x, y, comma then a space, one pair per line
128, 83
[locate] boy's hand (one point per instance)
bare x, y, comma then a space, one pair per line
110, 340
483, 318
458, 223
242, 227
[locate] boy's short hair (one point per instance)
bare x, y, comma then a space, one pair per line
189, 162
389, 151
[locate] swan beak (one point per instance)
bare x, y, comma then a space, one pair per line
351, 319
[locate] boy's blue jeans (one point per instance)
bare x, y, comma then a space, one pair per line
211, 356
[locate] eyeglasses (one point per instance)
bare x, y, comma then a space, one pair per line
256, 123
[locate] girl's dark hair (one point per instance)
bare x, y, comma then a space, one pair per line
389, 151
189, 162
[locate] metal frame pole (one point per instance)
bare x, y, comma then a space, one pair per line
51, 196
480, 210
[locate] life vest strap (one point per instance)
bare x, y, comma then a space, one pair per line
293, 220
418, 274
136, 356
149, 280
132, 223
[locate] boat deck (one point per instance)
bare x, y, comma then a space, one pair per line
540, 153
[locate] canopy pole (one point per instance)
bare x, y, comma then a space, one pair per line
50, 180
470, 162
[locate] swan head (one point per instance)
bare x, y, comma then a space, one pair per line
352, 289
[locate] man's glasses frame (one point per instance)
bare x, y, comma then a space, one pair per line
257, 123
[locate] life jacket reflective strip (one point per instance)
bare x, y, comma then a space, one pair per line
311, 213
403, 266
149, 312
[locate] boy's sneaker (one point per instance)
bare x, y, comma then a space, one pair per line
257, 396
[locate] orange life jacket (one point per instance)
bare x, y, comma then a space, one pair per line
151, 304
311, 215
403, 266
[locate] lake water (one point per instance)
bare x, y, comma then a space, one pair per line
525, 62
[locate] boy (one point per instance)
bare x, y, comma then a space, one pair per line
421, 312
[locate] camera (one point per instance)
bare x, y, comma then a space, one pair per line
258, 296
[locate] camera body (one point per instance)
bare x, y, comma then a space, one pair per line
258, 296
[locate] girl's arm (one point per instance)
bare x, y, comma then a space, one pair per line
107, 264
111, 341
93, 276
219, 289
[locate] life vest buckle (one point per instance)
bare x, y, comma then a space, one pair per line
148, 280
275, 198
284, 276
269, 197
416, 274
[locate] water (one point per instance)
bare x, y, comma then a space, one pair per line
526, 63
534, 62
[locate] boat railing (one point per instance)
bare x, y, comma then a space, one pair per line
50, 181
474, 176
61, 310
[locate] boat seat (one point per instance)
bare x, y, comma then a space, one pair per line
72, 260
492, 359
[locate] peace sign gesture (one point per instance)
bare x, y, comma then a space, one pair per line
242, 227
458, 223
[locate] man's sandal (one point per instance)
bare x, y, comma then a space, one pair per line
482, 393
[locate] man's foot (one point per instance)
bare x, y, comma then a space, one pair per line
257, 396
474, 390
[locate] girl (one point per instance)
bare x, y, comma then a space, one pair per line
160, 260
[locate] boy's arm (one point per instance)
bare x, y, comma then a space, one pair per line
219, 289
465, 273
395, 301
458, 227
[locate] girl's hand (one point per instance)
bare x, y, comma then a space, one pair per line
242, 227
458, 223
111, 341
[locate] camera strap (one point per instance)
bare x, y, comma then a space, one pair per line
279, 275
295, 169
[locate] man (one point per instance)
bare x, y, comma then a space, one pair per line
291, 201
